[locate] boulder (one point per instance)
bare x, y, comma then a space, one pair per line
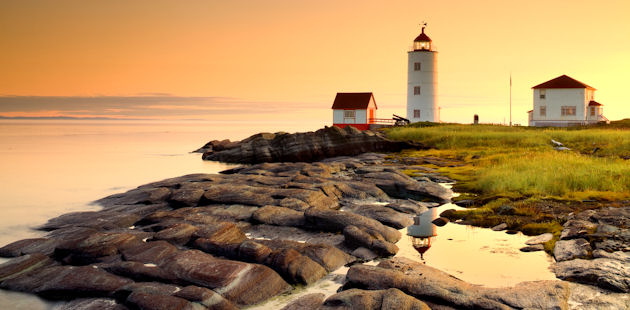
364, 254
411, 207
24, 264
241, 283
139, 271
93, 246
332, 220
222, 239
155, 252
148, 301
254, 252
571, 249
327, 256
44, 246
573, 229
307, 302
606, 273
295, 267
386, 216
500, 227
387, 299
278, 216
179, 233
619, 255
357, 237
540, 239
398, 185
151, 195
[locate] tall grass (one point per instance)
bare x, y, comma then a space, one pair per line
521, 160
551, 173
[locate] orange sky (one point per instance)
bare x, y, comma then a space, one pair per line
303, 52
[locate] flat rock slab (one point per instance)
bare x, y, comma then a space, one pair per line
424, 282
606, 273
540, 239
570, 249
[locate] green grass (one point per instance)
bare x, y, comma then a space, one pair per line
520, 161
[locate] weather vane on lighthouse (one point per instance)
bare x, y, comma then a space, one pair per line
424, 25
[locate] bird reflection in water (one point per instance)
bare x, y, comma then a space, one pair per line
423, 231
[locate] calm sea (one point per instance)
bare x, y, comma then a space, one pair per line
52, 167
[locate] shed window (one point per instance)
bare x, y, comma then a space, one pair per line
543, 93
416, 113
417, 66
592, 111
567, 110
543, 111
349, 113
416, 90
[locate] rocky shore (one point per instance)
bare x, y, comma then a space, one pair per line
239, 238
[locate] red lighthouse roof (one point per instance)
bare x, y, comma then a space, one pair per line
563, 81
422, 37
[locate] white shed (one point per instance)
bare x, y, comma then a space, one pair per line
563, 102
354, 109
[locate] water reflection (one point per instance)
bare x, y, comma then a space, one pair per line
423, 231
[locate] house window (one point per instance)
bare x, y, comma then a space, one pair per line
416, 113
543, 111
567, 110
543, 93
416, 66
416, 90
349, 113
592, 111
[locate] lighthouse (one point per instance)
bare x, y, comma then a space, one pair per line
422, 102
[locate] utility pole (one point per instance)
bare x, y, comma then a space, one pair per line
510, 99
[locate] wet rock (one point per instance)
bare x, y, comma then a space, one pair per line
370, 239
254, 252
386, 216
94, 246
44, 246
295, 267
222, 239
186, 197
306, 147
327, 256
364, 254
440, 221
102, 219
177, 233
66, 282
205, 297
573, 229
603, 272
398, 185
424, 282
570, 249
24, 264
139, 271
532, 248
278, 216
306, 302
155, 252
147, 301
92, 304
390, 299
333, 220
465, 203
540, 239
137, 196
411, 207
241, 283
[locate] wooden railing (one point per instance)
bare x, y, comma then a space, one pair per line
382, 121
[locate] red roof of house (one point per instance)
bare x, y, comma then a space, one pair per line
353, 101
594, 103
563, 81
422, 37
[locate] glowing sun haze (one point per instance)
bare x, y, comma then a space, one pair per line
277, 56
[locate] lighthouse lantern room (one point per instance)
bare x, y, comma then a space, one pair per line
422, 103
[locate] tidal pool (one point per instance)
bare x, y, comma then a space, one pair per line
477, 255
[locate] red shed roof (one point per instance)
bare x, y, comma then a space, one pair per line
563, 81
594, 103
353, 101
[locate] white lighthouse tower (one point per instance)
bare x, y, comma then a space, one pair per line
422, 102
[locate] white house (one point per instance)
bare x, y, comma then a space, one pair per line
354, 109
422, 101
563, 102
